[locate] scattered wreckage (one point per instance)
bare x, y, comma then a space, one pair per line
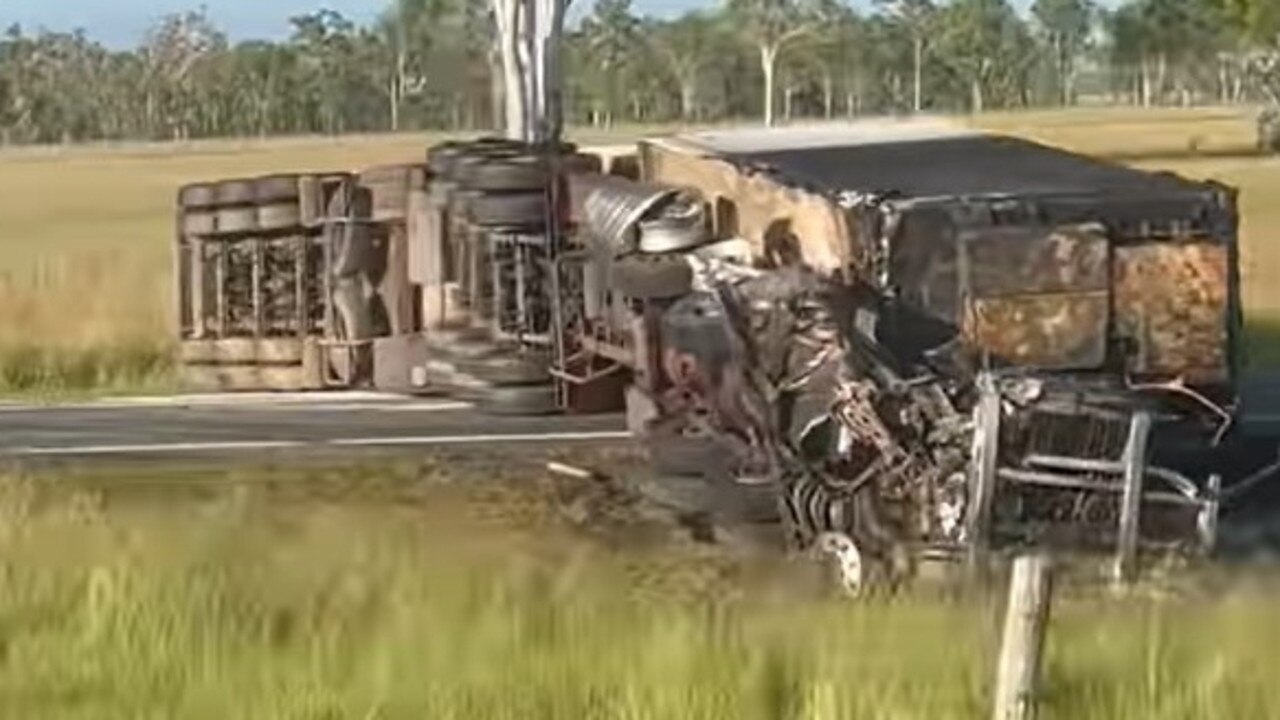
892, 341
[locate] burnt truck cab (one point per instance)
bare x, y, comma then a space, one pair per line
939, 340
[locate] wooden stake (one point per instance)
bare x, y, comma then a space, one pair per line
1017, 679
1135, 468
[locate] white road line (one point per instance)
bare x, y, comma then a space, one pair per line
156, 448
401, 407
477, 439
425, 440
323, 403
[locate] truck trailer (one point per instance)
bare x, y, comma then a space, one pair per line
892, 340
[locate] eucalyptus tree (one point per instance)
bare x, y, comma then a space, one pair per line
611, 35
988, 48
917, 17
771, 25
175, 52
1066, 26
407, 34
689, 46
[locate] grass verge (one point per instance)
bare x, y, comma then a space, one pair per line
281, 599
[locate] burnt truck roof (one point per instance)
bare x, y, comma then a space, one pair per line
924, 159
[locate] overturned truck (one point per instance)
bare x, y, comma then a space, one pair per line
891, 341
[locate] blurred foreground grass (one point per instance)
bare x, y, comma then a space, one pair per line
85, 286
309, 601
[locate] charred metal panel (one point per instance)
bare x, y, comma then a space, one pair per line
1030, 260
1036, 296
1172, 302
924, 264
972, 165
1058, 330
767, 212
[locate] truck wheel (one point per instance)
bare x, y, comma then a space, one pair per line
350, 242
509, 370
237, 220
199, 223
235, 192
509, 209
581, 163
279, 216
351, 249
513, 174
521, 400
653, 277
441, 158
354, 311
679, 227
276, 189
197, 196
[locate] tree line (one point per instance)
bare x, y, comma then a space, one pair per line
431, 64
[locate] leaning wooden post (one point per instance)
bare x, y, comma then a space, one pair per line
1026, 617
1135, 468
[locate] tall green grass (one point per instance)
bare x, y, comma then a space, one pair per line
477, 603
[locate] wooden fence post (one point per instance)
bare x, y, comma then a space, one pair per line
1017, 679
1135, 469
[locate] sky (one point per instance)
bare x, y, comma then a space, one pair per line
121, 23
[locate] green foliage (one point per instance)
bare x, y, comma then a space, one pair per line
988, 49
428, 64
370, 593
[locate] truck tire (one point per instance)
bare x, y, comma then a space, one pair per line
529, 400
235, 192
352, 249
512, 174
471, 350
652, 277
199, 222
353, 311
277, 189
459, 203
279, 216
508, 209
581, 163
441, 158
199, 195
679, 226
237, 220
509, 370
351, 244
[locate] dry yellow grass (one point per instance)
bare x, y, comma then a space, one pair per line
85, 238
85, 288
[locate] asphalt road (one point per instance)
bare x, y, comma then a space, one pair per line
222, 426
227, 427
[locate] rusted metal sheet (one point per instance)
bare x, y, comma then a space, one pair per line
1038, 296
1029, 260
1058, 330
776, 218
1172, 302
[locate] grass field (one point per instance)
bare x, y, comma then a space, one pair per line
432, 591
295, 596
85, 288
